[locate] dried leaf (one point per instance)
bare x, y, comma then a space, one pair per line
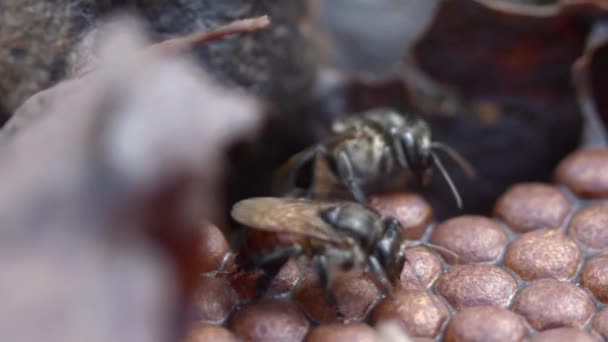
103, 193
88, 59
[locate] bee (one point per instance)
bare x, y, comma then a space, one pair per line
371, 151
332, 234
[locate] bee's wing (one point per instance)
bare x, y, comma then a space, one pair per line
288, 215
286, 174
341, 136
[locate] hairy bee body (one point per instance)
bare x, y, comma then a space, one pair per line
373, 151
343, 234
372, 170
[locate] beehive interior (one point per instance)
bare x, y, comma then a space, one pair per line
536, 265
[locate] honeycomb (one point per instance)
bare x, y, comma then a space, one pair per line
536, 270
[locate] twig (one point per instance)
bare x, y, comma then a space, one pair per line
236, 27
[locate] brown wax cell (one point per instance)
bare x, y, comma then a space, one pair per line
595, 277
356, 332
474, 239
202, 332
486, 323
543, 254
214, 248
286, 279
393, 331
421, 314
214, 300
590, 226
249, 284
411, 210
530, 206
270, 320
245, 283
259, 241
565, 334
600, 324
420, 270
475, 285
549, 303
585, 172
355, 293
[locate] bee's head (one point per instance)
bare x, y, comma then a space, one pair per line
413, 149
390, 249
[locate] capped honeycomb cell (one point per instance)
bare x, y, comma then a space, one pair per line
530, 206
549, 303
474, 285
473, 239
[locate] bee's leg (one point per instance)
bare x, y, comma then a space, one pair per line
278, 254
443, 250
399, 154
345, 171
322, 152
290, 170
391, 223
325, 282
379, 274
272, 264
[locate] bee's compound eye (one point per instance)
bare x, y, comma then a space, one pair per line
391, 234
330, 215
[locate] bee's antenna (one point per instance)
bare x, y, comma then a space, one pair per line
442, 250
437, 248
464, 164
447, 178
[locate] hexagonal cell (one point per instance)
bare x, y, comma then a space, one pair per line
410, 209
420, 270
543, 254
474, 285
564, 334
355, 293
270, 320
585, 172
286, 279
245, 283
474, 239
600, 323
594, 276
214, 300
214, 247
343, 332
549, 303
420, 313
486, 323
530, 206
202, 332
589, 226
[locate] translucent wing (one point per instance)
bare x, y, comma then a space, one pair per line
286, 175
295, 216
